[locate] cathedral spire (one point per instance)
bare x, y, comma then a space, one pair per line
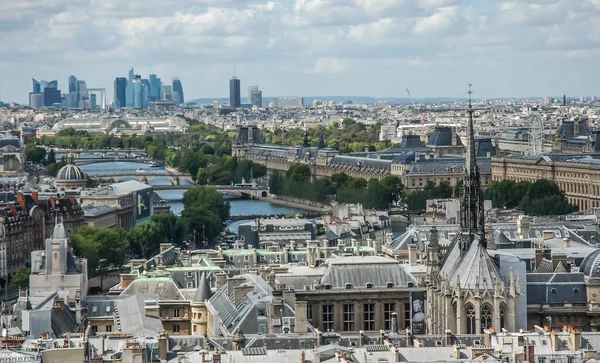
472, 216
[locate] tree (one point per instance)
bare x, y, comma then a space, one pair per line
35, 153
393, 188
358, 183
298, 173
104, 248
457, 188
172, 227
145, 239
205, 210
20, 279
276, 183
51, 158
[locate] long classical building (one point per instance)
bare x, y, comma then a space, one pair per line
414, 162
578, 175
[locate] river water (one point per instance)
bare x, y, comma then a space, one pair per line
238, 206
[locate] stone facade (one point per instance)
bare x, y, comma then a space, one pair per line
578, 176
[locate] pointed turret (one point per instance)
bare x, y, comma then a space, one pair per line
203, 292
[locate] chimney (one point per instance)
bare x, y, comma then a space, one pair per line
589, 354
180, 356
531, 353
126, 280
165, 246
487, 337
448, 337
137, 262
566, 242
302, 357
221, 279
35, 196
456, 351
216, 357
523, 224
163, 345
453, 136
554, 341
542, 253
575, 339
418, 343
396, 352
412, 254
409, 339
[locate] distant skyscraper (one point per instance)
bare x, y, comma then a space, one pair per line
53, 84
120, 88
72, 84
129, 98
146, 93
250, 90
138, 89
155, 91
177, 87
51, 96
256, 98
36, 100
167, 92
37, 86
234, 92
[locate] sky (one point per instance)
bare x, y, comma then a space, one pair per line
378, 48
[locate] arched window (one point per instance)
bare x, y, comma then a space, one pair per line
502, 321
471, 320
486, 317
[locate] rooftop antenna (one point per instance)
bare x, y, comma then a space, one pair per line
234, 72
470, 93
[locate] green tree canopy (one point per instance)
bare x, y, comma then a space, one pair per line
298, 173
205, 211
20, 279
103, 248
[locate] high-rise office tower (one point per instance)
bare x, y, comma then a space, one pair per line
37, 86
72, 84
234, 92
167, 92
155, 91
51, 96
129, 98
256, 98
120, 87
53, 84
137, 93
250, 90
146, 94
177, 87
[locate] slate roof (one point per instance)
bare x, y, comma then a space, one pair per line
442, 136
159, 287
474, 266
358, 163
360, 270
567, 129
591, 264
483, 146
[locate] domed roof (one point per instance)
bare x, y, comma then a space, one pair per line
590, 266
70, 172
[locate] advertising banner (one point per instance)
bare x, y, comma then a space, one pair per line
417, 312
142, 205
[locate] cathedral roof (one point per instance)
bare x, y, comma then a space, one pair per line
474, 266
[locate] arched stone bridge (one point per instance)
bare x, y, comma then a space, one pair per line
244, 192
146, 177
102, 152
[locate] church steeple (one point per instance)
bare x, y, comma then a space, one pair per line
472, 221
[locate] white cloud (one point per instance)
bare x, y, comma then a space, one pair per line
419, 42
327, 66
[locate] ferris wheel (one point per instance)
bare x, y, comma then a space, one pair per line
536, 134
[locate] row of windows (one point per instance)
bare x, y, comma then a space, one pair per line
348, 316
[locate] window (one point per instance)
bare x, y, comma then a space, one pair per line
309, 312
348, 317
576, 291
348, 286
190, 284
388, 309
246, 258
195, 326
327, 317
369, 317
95, 329
369, 285
553, 291
262, 258
189, 274
471, 320
109, 328
176, 328
486, 317
175, 313
407, 315
262, 328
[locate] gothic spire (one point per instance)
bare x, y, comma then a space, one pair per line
472, 217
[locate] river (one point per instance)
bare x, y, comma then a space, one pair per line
238, 206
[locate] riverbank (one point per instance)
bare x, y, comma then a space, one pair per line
298, 203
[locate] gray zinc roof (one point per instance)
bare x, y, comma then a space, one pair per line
360, 270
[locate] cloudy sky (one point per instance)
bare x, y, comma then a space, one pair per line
379, 48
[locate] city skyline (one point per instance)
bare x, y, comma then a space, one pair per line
309, 47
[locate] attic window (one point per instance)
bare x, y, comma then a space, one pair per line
94, 309
389, 285
553, 291
576, 291
348, 286
327, 287
369, 285
410, 284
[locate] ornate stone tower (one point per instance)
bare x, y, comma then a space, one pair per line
466, 292
199, 310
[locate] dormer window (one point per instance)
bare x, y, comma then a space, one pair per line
369, 285
327, 286
389, 285
348, 286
